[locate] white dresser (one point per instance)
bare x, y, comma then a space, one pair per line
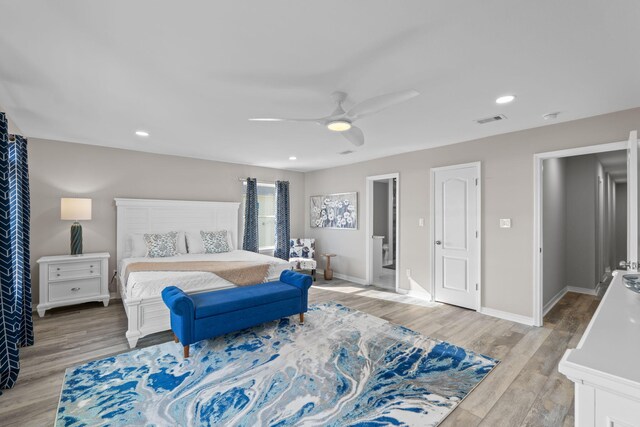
73, 279
605, 366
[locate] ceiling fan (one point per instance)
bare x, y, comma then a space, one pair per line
342, 121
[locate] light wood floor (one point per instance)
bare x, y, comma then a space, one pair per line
525, 389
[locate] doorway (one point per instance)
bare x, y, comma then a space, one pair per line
455, 262
383, 230
578, 223
604, 253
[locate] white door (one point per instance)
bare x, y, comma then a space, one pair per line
456, 235
632, 202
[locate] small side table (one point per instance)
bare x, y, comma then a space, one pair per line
73, 279
328, 272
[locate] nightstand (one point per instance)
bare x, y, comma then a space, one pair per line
73, 279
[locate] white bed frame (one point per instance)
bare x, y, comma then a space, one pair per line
150, 315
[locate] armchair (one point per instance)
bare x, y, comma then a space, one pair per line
301, 255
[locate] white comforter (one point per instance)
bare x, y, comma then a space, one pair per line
146, 284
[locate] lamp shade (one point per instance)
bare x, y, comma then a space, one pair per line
75, 209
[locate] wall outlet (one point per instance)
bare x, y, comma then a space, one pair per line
408, 272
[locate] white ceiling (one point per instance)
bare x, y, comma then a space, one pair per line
193, 72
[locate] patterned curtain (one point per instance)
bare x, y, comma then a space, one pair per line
282, 220
16, 327
250, 240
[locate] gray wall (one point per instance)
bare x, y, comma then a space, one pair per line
59, 169
581, 245
554, 205
507, 192
621, 223
381, 210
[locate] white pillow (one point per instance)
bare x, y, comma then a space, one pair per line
194, 243
181, 246
196, 246
137, 247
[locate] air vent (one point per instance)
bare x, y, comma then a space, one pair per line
344, 153
491, 119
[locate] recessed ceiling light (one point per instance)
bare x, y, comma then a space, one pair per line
505, 99
292, 158
339, 125
142, 133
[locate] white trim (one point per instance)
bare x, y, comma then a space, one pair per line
580, 290
341, 276
432, 226
632, 201
525, 320
538, 159
548, 306
418, 295
369, 225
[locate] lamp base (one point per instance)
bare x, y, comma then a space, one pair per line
76, 239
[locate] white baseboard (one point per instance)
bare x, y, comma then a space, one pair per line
414, 294
346, 277
580, 290
548, 306
507, 316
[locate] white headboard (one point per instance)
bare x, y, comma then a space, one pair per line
161, 216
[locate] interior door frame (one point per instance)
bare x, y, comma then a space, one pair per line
432, 226
538, 160
369, 225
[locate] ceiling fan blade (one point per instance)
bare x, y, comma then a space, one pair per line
377, 103
354, 136
273, 119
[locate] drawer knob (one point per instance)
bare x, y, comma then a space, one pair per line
75, 289
58, 274
58, 268
91, 271
91, 266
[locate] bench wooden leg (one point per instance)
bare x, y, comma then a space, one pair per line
186, 351
301, 317
175, 338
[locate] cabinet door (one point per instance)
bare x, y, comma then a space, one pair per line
615, 411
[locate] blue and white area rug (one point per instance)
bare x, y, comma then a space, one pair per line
341, 368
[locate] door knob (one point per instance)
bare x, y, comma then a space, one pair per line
438, 242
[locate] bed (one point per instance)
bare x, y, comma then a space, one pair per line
140, 290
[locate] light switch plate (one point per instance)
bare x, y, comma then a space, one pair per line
505, 222
420, 222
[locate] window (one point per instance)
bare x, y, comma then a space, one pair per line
266, 215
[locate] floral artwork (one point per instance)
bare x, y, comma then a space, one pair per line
335, 211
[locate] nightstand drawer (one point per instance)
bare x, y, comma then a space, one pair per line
74, 289
74, 270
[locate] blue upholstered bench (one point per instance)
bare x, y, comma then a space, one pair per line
210, 314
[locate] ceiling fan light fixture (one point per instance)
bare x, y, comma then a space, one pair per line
339, 125
505, 99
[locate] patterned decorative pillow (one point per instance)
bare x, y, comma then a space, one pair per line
215, 242
161, 245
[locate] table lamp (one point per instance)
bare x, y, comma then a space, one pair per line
75, 209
